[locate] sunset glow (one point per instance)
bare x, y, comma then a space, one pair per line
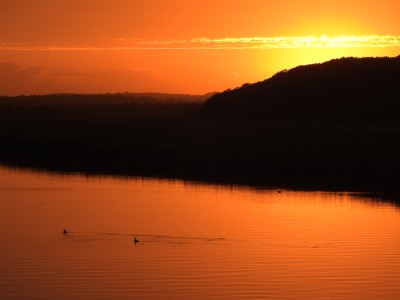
182, 47
203, 43
186, 149
291, 42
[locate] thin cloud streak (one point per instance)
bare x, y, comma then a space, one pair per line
204, 43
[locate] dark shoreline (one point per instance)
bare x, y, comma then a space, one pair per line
373, 196
176, 142
330, 126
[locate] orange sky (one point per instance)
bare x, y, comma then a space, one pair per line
91, 46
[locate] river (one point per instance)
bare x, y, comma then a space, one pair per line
196, 241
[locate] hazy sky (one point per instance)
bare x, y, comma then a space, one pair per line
49, 46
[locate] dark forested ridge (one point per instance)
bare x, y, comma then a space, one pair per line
54, 100
107, 106
346, 89
331, 126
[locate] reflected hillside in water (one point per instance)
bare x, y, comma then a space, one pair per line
331, 126
198, 241
368, 198
376, 198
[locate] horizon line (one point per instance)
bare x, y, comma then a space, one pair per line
228, 43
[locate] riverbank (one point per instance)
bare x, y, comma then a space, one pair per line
174, 141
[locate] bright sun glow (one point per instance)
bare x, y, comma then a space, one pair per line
181, 46
287, 42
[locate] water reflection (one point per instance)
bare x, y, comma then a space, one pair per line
196, 241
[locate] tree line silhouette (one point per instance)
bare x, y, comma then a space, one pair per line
346, 89
333, 125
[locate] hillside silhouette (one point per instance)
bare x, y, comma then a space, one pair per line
332, 126
54, 100
346, 89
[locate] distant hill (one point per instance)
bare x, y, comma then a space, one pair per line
334, 126
100, 99
346, 89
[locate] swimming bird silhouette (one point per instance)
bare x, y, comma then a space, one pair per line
136, 240
65, 231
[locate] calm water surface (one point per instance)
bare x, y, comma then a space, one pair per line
196, 241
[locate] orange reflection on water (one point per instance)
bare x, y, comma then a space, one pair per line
200, 241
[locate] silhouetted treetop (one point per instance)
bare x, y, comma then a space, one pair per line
345, 89
100, 99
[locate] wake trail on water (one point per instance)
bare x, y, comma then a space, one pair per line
146, 238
